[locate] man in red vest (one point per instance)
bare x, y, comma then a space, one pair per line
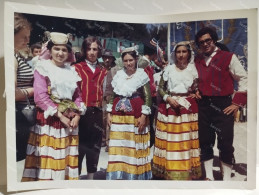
91, 85
217, 70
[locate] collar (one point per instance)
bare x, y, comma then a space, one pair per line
212, 54
94, 64
208, 58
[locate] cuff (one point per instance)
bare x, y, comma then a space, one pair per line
82, 108
165, 97
146, 110
109, 107
240, 98
50, 112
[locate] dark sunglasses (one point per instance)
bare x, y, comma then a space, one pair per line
208, 41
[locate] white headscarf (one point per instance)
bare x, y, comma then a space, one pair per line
187, 44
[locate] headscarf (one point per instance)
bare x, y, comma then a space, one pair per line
188, 45
56, 38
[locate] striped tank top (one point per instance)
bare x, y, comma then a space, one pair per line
24, 76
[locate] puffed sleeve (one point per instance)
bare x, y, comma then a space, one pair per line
162, 88
41, 96
77, 98
146, 108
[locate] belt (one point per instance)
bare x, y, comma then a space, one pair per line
131, 97
215, 97
179, 94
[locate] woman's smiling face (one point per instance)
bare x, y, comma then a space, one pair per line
59, 54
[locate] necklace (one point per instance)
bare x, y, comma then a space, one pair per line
129, 77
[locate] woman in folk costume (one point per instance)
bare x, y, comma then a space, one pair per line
52, 151
128, 110
176, 153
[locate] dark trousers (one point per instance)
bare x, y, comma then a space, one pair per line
22, 131
151, 120
90, 138
212, 121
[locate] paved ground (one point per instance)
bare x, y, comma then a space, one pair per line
239, 172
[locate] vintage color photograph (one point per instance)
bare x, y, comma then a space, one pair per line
106, 100
94, 149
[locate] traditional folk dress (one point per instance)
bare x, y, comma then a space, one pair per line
129, 152
176, 152
52, 151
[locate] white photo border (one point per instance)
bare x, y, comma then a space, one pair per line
13, 185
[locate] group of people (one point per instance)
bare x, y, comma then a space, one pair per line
196, 96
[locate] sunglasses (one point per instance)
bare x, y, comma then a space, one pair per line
207, 41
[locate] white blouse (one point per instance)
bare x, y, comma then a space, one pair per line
125, 85
63, 79
179, 81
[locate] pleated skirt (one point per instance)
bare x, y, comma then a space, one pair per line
176, 151
129, 152
52, 151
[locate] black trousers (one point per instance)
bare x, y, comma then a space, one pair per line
151, 120
212, 121
90, 138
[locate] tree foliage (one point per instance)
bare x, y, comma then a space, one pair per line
84, 28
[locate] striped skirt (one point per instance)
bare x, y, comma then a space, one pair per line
176, 152
129, 152
52, 151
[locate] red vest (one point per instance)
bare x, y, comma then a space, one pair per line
150, 72
215, 79
91, 85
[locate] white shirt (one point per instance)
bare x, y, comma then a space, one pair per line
91, 65
235, 68
179, 81
157, 77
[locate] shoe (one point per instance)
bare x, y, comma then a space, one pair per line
107, 149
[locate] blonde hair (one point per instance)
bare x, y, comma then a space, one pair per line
20, 22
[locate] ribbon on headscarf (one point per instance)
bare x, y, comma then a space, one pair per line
159, 51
